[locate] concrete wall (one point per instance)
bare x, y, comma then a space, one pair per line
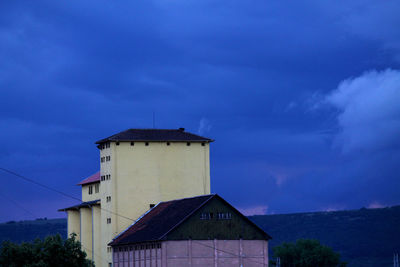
85, 192
74, 223
86, 231
194, 253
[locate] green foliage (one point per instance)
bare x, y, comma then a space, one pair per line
307, 253
52, 251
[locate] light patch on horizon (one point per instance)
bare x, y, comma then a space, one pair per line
255, 210
375, 205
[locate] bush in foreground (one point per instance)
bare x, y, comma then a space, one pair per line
52, 251
306, 253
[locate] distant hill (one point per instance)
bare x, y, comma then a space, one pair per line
365, 237
30, 230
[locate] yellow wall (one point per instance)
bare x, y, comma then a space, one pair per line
74, 223
86, 230
85, 192
97, 240
146, 175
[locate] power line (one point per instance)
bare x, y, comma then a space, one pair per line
17, 204
59, 192
72, 197
230, 253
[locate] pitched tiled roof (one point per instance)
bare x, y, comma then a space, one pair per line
160, 220
91, 179
83, 204
173, 135
166, 216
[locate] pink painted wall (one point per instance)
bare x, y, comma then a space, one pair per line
195, 253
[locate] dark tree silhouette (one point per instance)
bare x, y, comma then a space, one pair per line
52, 251
307, 253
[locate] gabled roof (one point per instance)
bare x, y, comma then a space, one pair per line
164, 218
172, 135
94, 178
82, 205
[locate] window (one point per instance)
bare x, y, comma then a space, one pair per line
117, 143
203, 144
96, 188
132, 143
109, 249
147, 143
107, 145
152, 206
206, 216
224, 216
109, 264
108, 220
103, 177
108, 199
90, 190
168, 143
108, 176
108, 158
102, 159
188, 143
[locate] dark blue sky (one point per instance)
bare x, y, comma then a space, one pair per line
302, 97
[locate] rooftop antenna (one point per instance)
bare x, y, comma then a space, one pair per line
154, 120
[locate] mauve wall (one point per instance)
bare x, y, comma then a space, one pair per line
195, 253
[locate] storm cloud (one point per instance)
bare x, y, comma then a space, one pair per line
302, 98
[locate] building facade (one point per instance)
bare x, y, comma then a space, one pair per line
192, 232
138, 169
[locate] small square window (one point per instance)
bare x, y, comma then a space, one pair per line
188, 143
117, 143
203, 144
147, 143
132, 143
168, 143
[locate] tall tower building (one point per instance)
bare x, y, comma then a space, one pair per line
138, 169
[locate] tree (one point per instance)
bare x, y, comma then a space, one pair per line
52, 251
307, 253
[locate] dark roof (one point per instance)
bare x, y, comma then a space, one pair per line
82, 205
172, 135
163, 218
94, 178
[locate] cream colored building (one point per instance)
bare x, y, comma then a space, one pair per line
138, 168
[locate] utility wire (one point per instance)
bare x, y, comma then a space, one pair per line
59, 192
230, 253
69, 196
18, 205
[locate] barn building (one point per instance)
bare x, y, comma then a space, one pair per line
196, 232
